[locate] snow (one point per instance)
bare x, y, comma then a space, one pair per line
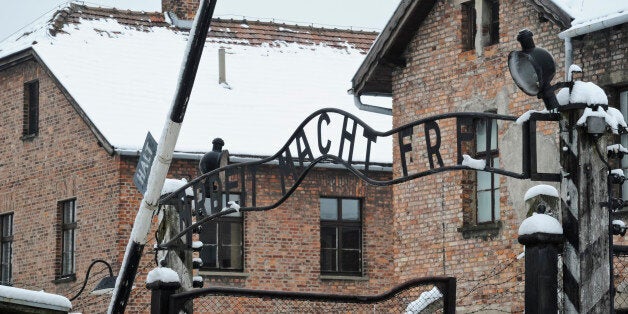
197, 260
540, 189
30, 297
610, 119
618, 172
424, 300
171, 185
275, 86
573, 68
197, 244
583, 92
540, 223
526, 116
163, 274
197, 278
586, 12
233, 205
616, 148
620, 223
473, 163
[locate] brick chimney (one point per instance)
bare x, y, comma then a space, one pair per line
184, 9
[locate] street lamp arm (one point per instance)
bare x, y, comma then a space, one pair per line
89, 269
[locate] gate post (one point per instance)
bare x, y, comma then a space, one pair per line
160, 295
541, 270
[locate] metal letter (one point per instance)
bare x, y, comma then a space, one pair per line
323, 117
433, 150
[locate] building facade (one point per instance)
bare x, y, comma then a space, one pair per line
437, 57
68, 191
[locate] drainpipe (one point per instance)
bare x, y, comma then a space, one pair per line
370, 108
586, 29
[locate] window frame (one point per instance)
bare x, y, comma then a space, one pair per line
468, 27
493, 154
30, 111
65, 270
219, 224
339, 224
6, 239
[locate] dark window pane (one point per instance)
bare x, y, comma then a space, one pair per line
328, 260
230, 233
350, 261
208, 234
209, 256
350, 238
230, 257
328, 237
350, 209
329, 209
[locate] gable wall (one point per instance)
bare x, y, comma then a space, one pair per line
431, 212
62, 162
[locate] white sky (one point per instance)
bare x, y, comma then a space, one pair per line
361, 14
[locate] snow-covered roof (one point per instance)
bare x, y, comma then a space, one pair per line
587, 12
121, 69
38, 299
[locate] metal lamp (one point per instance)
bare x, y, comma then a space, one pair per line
533, 69
104, 286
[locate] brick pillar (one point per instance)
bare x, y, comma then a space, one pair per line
184, 9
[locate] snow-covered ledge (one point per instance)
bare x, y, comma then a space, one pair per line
29, 299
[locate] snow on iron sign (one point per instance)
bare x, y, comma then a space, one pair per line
331, 137
144, 163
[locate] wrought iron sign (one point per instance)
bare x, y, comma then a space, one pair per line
422, 150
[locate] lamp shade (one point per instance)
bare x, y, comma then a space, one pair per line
523, 72
106, 285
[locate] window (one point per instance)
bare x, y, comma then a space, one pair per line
223, 240
67, 211
487, 184
488, 27
341, 236
6, 241
468, 25
31, 109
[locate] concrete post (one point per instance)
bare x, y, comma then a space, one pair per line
585, 217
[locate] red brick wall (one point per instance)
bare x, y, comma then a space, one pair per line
439, 78
62, 162
282, 246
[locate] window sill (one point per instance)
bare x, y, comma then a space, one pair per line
65, 279
339, 277
223, 274
28, 137
483, 231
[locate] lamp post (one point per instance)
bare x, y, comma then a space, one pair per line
584, 193
105, 285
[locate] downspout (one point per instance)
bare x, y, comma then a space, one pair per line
586, 29
370, 108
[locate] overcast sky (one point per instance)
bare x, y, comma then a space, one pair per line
361, 14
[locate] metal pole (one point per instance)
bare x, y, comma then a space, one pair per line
165, 149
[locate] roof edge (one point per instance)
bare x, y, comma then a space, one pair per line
102, 140
391, 42
551, 11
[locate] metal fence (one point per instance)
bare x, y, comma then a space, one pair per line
620, 277
424, 295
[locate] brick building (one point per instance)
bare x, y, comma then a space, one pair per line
81, 87
436, 57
